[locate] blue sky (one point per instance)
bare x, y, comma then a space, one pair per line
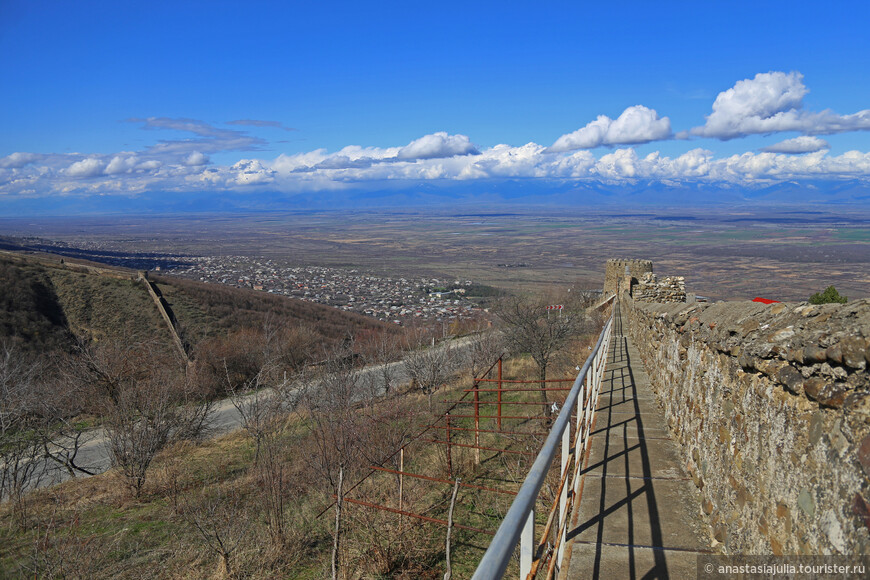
104, 98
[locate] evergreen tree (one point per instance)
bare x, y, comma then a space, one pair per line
829, 296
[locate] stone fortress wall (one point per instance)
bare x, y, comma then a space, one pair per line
770, 405
166, 313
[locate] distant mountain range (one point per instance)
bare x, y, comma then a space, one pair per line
451, 193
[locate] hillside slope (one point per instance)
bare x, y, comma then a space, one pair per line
30, 311
48, 305
205, 310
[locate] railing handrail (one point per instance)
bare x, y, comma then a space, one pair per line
497, 557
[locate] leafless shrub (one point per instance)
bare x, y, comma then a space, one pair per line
172, 482
60, 404
337, 430
139, 425
228, 363
222, 519
272, 480
258, 408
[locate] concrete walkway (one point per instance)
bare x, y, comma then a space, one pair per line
638, 512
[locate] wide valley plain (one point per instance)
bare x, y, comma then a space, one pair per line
783, 253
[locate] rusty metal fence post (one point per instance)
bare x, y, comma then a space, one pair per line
476, 422
401, 475
449, 457
499, 393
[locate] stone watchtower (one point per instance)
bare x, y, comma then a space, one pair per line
622, 274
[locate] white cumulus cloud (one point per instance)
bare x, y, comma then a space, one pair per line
251, 172
437, 145
440, 157
196, 159
121, 164
635, 125
769, 103
802, 144
149, 165
18, 160
89, 167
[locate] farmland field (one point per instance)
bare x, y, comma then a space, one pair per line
782, 253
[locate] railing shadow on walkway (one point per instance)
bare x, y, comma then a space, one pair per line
623, 391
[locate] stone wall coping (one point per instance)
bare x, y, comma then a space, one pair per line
819, 351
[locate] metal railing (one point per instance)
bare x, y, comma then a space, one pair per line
518, 525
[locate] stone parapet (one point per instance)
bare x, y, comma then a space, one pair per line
650, 289
771, 407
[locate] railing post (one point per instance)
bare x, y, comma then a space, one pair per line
563, 496
581, 416
587, 414
527, 545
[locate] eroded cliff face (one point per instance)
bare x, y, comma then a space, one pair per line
771, 406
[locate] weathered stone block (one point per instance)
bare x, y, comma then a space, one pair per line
707, 506
775, 547
817, 424
861, 509
853, 350
864, 455
832, 395
814, 354
806, 502
748, 326
791, 378
720, 532
834, 353
814, 386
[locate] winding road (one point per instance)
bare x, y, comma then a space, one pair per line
94, 454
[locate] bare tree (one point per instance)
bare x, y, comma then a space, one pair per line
430, 368
145, 398
264, 416
60, 402
530, 327
20, 444
268, 393
383, 354
257, 406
